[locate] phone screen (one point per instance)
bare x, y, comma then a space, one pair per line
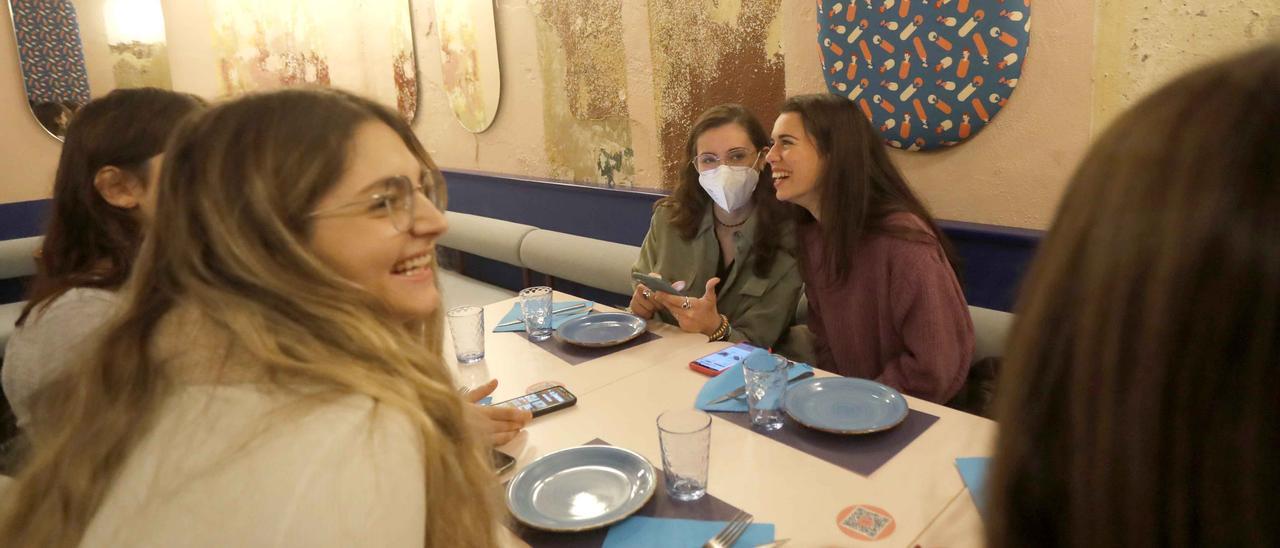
543, 401
726, 358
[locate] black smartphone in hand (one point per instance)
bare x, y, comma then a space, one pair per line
543, 401
657, 284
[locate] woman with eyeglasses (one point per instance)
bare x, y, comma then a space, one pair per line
110, 159
275, 377
723, 237
884, 300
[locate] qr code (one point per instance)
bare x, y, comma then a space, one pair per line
866, 522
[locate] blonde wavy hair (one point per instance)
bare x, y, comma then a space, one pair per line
232, 229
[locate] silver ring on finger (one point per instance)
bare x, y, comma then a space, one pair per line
685, 305
647, 294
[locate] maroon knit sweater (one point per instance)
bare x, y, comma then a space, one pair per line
899, 319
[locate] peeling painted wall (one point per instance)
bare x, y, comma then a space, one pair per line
1013, 173
1141, 45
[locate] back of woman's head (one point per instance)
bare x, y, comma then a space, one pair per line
90, 242
233, 219
691, 202
860, 186
1139, 404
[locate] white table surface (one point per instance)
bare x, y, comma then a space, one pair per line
621, 395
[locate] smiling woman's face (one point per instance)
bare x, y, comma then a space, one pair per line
363, 245
796, 163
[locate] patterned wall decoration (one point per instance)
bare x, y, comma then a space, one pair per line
706, 53
587, 133
929, 73
49, 47
366, 47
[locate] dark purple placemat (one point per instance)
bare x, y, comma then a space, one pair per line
707, 508
574, 355
860, 454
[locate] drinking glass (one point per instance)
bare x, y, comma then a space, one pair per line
766, 382
685, 437
535, 309
466, 323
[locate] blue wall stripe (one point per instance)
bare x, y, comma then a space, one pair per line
23, 219
993, 258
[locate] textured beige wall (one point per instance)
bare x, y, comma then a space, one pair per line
1142, 44
1010, 174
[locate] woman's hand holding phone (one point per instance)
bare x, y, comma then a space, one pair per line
644, 299
694, 315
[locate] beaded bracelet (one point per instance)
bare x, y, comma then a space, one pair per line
722, 332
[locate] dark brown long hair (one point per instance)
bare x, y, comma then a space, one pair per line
689, 203
860, 186
1139, 402
89, 242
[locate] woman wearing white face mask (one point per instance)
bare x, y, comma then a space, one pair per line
725, 236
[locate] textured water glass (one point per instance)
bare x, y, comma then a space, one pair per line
766, 382
466, 323
685, 437
535, 310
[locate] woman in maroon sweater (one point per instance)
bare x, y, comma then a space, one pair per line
884, 300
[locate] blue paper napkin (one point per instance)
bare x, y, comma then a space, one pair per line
556, 319
973, 470
642, 531
732, 379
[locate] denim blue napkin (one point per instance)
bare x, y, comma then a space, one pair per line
973, 470
642, 531
731, 379
556, 319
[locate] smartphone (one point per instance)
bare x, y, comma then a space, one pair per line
715, 364
655, 283
502, 462
543, 401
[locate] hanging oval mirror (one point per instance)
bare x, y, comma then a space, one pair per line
123, 40
52, 58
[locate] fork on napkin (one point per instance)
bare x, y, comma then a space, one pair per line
581, 308
644, 531
730, 380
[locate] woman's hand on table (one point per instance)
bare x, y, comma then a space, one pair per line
694, 315
502, 424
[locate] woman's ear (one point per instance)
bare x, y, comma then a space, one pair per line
119, 187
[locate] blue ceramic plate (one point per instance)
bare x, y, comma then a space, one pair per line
844, 405
601, 329
581, 488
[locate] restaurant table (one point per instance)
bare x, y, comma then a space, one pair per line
621, 395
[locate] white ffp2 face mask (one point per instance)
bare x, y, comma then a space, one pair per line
730, 187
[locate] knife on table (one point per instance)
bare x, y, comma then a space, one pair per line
519, 321
738, 392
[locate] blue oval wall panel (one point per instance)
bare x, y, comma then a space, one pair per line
929, 73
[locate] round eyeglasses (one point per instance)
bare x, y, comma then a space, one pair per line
396, 199
738, 157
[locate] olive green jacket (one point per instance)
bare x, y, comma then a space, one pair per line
759, 309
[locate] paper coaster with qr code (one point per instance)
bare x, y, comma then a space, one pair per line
865, 522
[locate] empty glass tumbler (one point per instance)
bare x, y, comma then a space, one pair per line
535, 310
766, 382
685, 437
466, 323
